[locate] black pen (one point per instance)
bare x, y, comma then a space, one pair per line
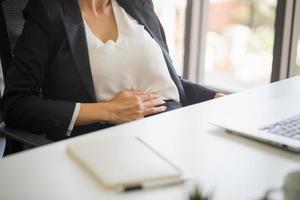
151, 185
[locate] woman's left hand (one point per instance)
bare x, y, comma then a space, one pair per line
219, 95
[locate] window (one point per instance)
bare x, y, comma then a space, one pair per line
239, 43
172, 16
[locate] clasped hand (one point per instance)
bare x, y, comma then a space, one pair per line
132, 105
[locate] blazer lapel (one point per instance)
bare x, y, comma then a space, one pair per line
130, 6
75, 31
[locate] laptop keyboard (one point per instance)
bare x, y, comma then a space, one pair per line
289, 127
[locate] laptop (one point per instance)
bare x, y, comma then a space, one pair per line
276, 121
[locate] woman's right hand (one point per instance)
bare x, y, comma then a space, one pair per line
127, 106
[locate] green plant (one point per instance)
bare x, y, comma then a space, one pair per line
198, 195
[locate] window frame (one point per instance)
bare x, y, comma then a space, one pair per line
294, 40
195, 52
284, 28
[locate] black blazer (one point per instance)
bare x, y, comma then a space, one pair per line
51, 70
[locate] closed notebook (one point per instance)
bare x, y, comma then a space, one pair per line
119, 162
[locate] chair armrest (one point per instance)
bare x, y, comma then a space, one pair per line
24, 137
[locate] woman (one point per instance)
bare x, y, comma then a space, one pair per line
84, 65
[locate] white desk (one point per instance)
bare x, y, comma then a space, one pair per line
236, 168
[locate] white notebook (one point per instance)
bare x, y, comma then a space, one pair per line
124, 162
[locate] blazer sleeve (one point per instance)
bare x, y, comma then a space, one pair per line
23, 105
195, 93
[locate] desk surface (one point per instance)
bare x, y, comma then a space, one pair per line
232, 166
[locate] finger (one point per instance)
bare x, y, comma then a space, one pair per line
137, 92
154, 110
219, 95
154, 103
133, 92
149, 96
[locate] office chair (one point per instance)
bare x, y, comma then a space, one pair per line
11, 26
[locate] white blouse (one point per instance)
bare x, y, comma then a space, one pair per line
133, 62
